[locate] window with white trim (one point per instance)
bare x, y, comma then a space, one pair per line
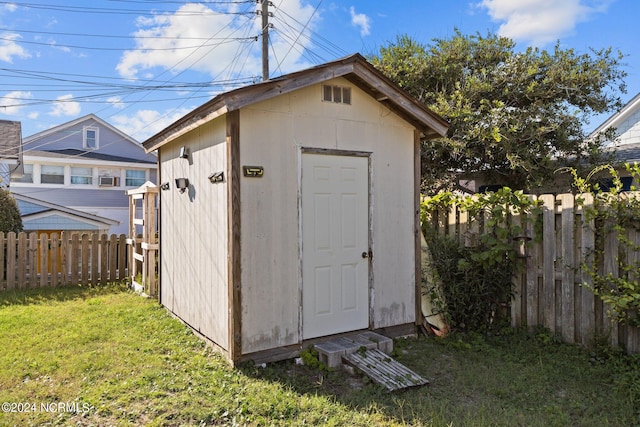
81, 175
90, 138
51, 174
134, 177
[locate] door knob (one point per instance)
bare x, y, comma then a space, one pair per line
365, 254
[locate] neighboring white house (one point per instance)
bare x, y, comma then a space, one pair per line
289, 210
626, 145
86, 165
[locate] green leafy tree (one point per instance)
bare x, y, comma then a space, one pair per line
10, 219
515, 116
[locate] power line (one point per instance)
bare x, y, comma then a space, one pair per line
112, 11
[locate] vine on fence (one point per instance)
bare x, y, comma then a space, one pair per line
619, 213
478, 276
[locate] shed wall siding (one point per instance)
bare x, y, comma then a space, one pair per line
272, 135
194, 233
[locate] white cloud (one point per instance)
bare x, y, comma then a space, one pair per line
116, 102
10, 49
64, 106
200, 38
360, 20
11, 103
541, 21
145, 123
11, 7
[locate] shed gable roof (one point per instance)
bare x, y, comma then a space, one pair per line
354, 68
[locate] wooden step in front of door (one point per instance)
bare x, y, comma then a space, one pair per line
384, 370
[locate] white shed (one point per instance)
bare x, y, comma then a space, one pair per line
290, 210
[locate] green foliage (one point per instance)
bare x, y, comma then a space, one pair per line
10, 219
617, 215
477, 277
513, 114
310, 358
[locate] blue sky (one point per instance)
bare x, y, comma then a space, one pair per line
142, 64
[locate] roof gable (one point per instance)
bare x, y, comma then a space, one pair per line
70, 136
620, 116
79, 120
354, 68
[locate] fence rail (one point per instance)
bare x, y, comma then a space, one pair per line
549, 289
31, 261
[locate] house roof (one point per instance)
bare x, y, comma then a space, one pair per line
627, 153
354, 68
619, 117
48, 207
72, 123
10, 140
75, 153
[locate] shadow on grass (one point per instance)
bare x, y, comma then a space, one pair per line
356, 391
512, 380
58, 294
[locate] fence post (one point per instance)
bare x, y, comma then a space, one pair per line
11, 260
54, 250
33, 259
113, 257
122, 257
75, 257
2, 259
587, 299
549, 257
532, 295
64, 249
94, 258
104, 259
22, 260
44, 268
518, 278
84, 270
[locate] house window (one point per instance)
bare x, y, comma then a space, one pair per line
337, 94
50, 174
90, 138
81, 175
27, 175
135, 177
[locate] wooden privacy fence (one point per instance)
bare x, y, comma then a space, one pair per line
30, 261
549, 289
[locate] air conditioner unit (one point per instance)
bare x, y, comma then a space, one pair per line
106, 181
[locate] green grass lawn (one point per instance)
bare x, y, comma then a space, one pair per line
105, 356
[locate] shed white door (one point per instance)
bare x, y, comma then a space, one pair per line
335, 224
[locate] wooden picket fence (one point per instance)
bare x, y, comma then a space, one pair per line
31, 261
549, 289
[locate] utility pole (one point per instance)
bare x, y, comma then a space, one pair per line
265, 40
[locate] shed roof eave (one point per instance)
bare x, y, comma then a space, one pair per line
355, 68
182, 127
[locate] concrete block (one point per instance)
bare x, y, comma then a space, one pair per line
383, 343
330, 354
